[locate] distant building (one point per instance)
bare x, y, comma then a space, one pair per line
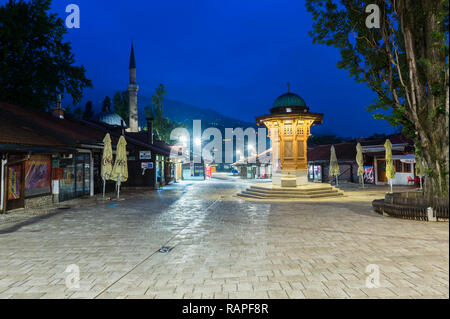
319, 162
252, 168
110, 118
374, 161
402, 154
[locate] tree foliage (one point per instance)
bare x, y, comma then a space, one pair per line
36, 65
106, 105
121, 105
162, 125
88, 113
405, 62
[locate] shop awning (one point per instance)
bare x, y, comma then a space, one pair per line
409, 159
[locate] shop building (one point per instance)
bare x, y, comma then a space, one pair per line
374, 161
319, 163
252, 168
48, 158
402, 155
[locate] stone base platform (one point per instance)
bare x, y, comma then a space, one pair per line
309, 190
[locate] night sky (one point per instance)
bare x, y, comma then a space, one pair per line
233, 56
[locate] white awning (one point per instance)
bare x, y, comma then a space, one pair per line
409, 159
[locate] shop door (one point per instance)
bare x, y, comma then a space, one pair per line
381, 171
15, 186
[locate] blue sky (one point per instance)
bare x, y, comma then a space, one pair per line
231, 56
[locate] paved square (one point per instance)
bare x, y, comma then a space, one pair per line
225, 247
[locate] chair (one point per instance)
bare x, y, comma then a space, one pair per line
417, 181
411, 180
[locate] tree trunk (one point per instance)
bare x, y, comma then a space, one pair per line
436, 165
427, 101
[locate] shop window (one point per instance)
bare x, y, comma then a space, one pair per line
406, 167
401, 167
76, 181
398, 166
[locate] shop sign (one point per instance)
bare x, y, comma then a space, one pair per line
408, 159
58, 174
145, 155
146, 165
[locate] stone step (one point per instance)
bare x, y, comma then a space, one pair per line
287, 193
293, 190
292, 195
246, 194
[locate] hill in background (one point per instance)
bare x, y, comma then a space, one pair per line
184, 113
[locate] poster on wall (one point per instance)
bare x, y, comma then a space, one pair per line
317, 172
37, 175
311, 172
14, 175
369, 176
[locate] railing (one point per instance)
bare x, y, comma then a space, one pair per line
412, 205
440, 207
332, 179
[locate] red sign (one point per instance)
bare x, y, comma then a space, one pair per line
58, 173
148, 165
208, 172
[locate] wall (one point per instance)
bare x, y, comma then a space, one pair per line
347, 174
135, 177
399, 179
39, 201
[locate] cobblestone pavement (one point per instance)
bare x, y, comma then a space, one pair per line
225, 247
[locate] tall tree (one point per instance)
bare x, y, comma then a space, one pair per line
162, 125
88, 113
405, 61
35, 63
157, 102
121, 105
106, 105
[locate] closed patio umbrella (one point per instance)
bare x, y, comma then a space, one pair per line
107, 161
334, 166
360, 162
390, 170
120, 169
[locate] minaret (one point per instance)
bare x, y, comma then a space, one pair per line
132, 94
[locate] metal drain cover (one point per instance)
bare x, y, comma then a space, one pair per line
165, 249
